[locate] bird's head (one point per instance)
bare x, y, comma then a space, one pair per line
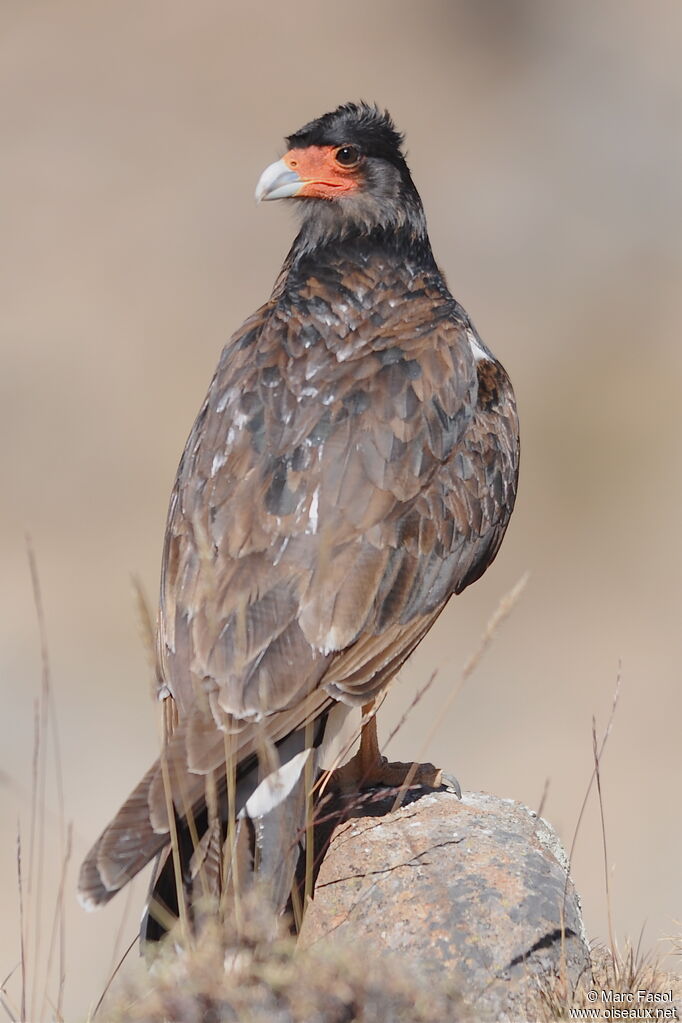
347, 172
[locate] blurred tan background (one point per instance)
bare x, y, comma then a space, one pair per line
546, 141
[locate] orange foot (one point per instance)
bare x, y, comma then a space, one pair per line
369, 768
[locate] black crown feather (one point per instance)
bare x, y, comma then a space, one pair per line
362, 124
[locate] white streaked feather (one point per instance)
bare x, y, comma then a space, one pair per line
312, 514
333, 641
476, 347
276, 786
218, 462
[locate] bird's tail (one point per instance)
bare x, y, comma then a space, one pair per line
213, 833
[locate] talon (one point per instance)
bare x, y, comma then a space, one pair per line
452, 785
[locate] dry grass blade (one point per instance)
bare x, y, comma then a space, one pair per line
231, 863
116, 958
32, 845
147, 627
598, 750
117, 966
621, 973
7, 1006
421, 692
175, 846
46, 688
57, 935
597, 774
5, 1001
37, 892
36, 969
45, 710
599, 755
502, 611
22, 924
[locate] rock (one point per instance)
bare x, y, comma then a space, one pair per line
476, 889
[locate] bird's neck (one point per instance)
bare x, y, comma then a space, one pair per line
365, 224
312, 256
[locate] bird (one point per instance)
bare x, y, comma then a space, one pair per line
353, 466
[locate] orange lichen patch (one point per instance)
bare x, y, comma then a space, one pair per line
322, 176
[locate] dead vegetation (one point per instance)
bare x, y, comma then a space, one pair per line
254, 975
613, 971
40, 976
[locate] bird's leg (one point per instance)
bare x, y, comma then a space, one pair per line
369, 768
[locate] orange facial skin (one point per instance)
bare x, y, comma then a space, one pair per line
323, 177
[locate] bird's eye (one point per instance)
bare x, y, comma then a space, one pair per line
347, 156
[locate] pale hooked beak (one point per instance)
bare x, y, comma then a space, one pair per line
278, 182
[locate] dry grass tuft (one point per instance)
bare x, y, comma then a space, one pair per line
253, 975
34, 987
613, 973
